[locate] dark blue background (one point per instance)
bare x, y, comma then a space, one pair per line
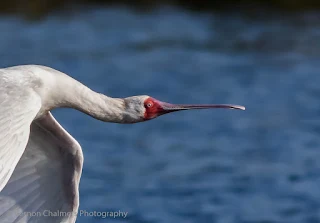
223, 166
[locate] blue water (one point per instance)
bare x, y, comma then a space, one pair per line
223, 166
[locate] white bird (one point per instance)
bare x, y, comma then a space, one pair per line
40, 162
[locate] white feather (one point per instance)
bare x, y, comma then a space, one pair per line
46, 178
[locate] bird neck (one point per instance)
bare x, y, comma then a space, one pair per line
72, 94
97, 105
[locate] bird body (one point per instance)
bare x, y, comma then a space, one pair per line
40, 162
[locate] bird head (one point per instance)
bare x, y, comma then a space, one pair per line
144, 108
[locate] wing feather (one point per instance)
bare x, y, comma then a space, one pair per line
17, 111
46, 177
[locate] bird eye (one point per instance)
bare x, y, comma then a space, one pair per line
149, 104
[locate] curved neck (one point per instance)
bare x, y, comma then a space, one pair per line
73, 94
97, 105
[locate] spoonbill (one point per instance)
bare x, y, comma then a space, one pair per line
40, 162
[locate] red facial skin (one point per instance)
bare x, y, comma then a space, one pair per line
153, 108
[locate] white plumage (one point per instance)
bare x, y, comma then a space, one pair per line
44, 167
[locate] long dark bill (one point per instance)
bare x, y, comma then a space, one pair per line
167, 107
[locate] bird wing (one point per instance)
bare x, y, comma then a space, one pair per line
17, 111
44, 184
